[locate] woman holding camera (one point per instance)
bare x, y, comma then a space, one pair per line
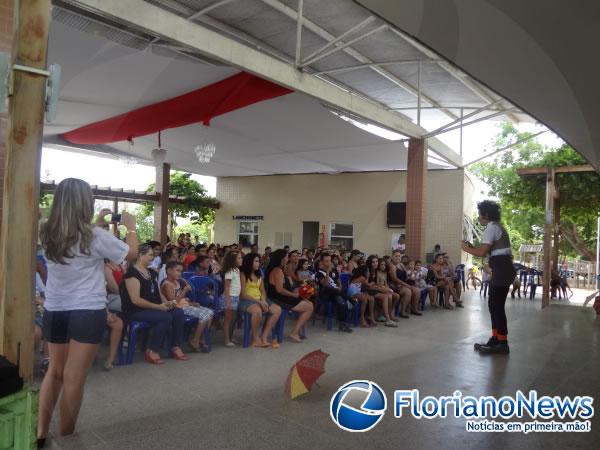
143, 301
75, 305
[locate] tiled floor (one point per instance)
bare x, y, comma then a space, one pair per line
233, 398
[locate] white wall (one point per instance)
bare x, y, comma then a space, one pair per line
359, 198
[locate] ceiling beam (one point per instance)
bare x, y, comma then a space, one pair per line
214, 45
564, 169
459, 75
324, 34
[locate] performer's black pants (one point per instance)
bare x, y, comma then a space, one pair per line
496, 302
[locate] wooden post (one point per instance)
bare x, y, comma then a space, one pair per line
21, 184
161, 207
115, 211
556, 229
548, 225
164, 202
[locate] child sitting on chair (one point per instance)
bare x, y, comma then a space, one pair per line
175, 289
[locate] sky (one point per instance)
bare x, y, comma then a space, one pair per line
107, 171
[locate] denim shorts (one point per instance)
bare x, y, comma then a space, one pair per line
82, 325
235, 301
244, 304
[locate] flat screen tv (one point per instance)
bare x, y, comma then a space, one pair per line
396, 214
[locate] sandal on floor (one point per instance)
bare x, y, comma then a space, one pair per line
107, 367
153, 359
275, 344
260, 345
180, 356
230, 344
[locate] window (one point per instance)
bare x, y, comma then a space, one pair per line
342, 235
283, 238
248, 234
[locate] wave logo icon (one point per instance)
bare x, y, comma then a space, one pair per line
358, 406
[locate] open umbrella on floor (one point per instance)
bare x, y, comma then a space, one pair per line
305, 372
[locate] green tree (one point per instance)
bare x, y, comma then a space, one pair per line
198, 208
523, 199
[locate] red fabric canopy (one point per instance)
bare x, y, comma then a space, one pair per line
198, 106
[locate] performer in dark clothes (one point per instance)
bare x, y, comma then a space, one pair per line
496, 243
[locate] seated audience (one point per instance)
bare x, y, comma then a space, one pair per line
330, 292
253, 300
456, 281
302, 271
409, 295
142, 300
381, 293
357, 291
443, 280
281, 291
174, 288
419, 276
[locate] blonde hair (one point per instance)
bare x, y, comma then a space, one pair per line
69, 222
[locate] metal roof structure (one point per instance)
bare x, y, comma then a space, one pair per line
342, 61
535, 53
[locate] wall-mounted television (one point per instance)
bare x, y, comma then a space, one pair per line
396, 214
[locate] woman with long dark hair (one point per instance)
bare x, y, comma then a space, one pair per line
253, 300
75, 306
496, 243
281, 291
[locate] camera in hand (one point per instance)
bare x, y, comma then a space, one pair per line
115, 218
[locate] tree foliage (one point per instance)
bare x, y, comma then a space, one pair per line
523, 199
197, 207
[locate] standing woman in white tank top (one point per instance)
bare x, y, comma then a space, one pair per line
496, 243
75, 306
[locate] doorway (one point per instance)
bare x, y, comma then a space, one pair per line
310, 234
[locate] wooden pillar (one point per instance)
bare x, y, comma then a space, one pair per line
556, 230
21, 184
115, 211
161, 208
548, 232
7, 26
415, 198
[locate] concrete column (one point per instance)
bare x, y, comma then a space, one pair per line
415, 198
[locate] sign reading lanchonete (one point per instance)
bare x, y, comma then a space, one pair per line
248, 217
360, 404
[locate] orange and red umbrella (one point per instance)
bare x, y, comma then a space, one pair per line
305, 373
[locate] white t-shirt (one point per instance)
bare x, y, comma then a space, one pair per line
235, 288
492, 233
80, 283
155, 264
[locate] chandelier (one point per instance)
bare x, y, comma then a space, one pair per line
205, 151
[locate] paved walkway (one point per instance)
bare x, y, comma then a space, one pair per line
233, 398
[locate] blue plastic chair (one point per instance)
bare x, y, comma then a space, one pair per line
188, 275
459, 271
423, 299
133, 327
278, 330
201, 287
320, 302
344, 280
